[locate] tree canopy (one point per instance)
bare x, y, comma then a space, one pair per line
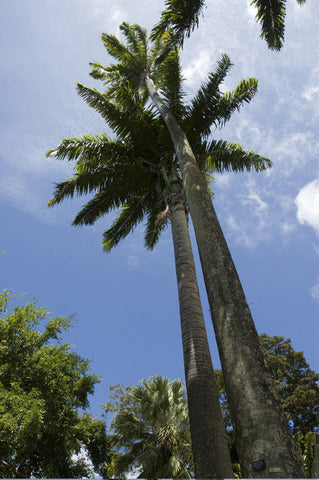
43, 384
129, 173
296, 383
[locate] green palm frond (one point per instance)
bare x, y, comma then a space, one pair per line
136, 38
222, 156
232, 101
271, 14
200, 114
156, 222
76, 186
180, 16
129, 120
99, 72
115, 47
168, 77
130, 215
92, 148
113, 115
133, 60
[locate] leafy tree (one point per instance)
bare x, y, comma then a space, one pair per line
296, 383
151, 429
42, 386
298, 389
183, 16
289, 370
253, 398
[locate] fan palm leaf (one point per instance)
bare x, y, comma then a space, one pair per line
153, 431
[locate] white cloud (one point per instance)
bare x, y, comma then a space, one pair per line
307, 202
311, 93
315, 291
254, 201
293, 152
251, 10
197, 68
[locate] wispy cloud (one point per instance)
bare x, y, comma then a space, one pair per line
307, 202
315, 291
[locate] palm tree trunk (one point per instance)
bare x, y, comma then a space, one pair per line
264, 444
209, 443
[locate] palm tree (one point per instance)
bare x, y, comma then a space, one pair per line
136, 174
182, 17
261, 428
151, 426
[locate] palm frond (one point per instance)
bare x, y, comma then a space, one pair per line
271, 14
155, 225
115, 47
130, 215
168, 76
201, 112
105, 108
133, 60
222, 156
91, 149
99, 72
136, 38
76, 186
127, 121
180, 16
231, 101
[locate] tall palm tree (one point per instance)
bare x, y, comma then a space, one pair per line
261, 427
136, 174
151, 429
182, 17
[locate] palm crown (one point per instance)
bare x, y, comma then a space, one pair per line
132, 172
152, 428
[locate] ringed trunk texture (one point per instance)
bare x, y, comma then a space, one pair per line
209, 442
261, 428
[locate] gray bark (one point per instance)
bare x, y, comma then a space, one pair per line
261, 429
209, 443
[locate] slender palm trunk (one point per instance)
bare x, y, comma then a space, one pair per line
261, 429
209, 443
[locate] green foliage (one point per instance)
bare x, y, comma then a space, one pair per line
150, 429
221, 156
182, 17
296, 383
307, 448
126, 174
42, 386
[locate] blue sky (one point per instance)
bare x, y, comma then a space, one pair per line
126, 302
